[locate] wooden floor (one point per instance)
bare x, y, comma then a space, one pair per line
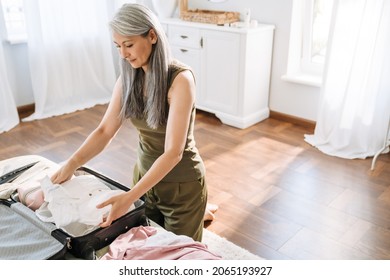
278, 197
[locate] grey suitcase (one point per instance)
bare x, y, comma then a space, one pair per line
23, 236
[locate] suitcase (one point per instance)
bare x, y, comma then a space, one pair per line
23, 236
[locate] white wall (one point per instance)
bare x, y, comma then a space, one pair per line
285, 97
18, 73
17, 65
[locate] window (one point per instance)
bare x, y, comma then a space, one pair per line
308, 40
14, 20
315, 34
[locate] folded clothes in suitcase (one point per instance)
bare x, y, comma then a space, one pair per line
24, 234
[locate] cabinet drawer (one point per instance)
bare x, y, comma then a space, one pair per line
188, 56
184, 36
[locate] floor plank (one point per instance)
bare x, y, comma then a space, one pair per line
278, 196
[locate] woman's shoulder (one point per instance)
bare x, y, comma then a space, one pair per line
175, 68
177, 65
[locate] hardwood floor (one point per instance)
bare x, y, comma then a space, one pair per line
278, 197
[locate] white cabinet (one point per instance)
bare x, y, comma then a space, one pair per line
186, 46
232, 68
219, 73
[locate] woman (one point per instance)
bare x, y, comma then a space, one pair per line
158, 95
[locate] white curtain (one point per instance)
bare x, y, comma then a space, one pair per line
8, 114
70, 55
355, 103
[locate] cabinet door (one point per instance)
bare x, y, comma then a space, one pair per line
220, 66
191, 57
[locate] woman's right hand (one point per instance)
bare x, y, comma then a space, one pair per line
63, 174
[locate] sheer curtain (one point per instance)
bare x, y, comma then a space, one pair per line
8, 114
355, 103
70, 55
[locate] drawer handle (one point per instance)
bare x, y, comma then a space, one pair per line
183, 36
183, 50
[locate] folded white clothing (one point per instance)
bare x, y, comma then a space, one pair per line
6, 190
166, 238
72, 205
30, 177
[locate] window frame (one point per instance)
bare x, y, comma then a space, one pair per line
306, 60
13, 36
300, 67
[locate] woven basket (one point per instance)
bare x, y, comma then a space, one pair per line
208, 16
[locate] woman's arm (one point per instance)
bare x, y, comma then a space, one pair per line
97, 140
181, 98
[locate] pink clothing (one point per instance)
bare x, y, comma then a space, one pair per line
147, 243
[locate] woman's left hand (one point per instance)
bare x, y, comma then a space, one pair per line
120, 205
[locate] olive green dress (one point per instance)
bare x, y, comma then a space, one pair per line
178, 201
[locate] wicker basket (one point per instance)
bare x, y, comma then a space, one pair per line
208, 16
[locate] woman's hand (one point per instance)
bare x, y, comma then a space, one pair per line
120, 204
63, 174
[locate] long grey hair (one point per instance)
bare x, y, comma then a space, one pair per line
132, 20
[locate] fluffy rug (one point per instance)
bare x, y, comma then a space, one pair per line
226, 249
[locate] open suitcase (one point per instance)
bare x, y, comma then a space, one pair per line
23, 236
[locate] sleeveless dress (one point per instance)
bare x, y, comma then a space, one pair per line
178, 202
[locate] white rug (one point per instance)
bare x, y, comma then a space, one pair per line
226, 249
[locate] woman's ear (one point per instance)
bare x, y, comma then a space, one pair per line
152, 36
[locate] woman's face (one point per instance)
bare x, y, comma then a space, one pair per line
136, 49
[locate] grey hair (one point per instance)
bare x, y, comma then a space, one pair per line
132, 20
